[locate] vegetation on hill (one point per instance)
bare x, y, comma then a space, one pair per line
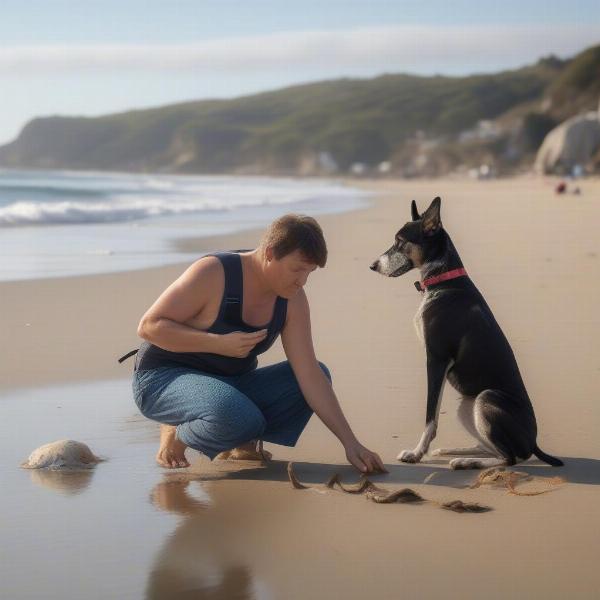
420, 125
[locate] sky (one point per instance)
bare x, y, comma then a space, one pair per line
61, 57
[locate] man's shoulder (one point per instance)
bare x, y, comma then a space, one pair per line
206, 271
207, 265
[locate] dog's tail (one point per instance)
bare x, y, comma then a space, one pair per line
551, 460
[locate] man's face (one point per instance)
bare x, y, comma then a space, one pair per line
288, 274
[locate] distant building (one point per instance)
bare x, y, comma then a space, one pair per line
317, 163
484, 130
358, 168
384, 167
326, 162
484, 171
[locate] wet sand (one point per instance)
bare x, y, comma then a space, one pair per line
130, 529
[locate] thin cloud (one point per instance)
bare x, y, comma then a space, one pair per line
394, 48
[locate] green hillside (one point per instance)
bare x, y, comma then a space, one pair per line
353, 120
577, 87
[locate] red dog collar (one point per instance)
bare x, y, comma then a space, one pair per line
423, 285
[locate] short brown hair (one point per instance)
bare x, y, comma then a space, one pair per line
296, 232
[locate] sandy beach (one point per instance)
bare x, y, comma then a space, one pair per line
132, 530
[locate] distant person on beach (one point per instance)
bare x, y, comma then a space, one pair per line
196, 372
561, 187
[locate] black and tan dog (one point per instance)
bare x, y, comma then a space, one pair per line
464, 345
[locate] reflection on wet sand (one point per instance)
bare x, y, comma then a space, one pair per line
235, 583
241, 527
199, 560
63, 481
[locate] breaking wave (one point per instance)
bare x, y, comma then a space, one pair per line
42, 198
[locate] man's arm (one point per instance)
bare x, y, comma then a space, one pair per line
317, 390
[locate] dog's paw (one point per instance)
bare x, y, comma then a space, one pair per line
465, 463
408, 456
439, 452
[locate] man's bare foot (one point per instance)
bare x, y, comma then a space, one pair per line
171, 453
252, 450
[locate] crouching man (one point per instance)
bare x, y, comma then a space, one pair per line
196, 371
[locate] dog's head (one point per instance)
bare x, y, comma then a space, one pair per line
415, 243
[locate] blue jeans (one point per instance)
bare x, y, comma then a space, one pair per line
214, 413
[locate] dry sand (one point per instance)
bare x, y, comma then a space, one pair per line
244, 532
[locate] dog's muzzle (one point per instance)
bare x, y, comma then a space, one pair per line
392, 264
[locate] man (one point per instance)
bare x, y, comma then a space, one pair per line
196, 371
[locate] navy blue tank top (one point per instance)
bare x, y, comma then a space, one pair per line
229, 319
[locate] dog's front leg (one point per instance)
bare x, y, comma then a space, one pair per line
436, 378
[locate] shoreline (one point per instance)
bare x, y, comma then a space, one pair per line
134, 223
26, 323
47, 348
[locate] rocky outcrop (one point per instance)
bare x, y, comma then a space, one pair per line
571, 145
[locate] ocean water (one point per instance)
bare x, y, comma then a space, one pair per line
64, 223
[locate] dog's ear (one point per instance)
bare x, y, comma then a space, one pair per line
414, 212
431, 221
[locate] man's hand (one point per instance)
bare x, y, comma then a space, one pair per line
238, 344
364, 460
